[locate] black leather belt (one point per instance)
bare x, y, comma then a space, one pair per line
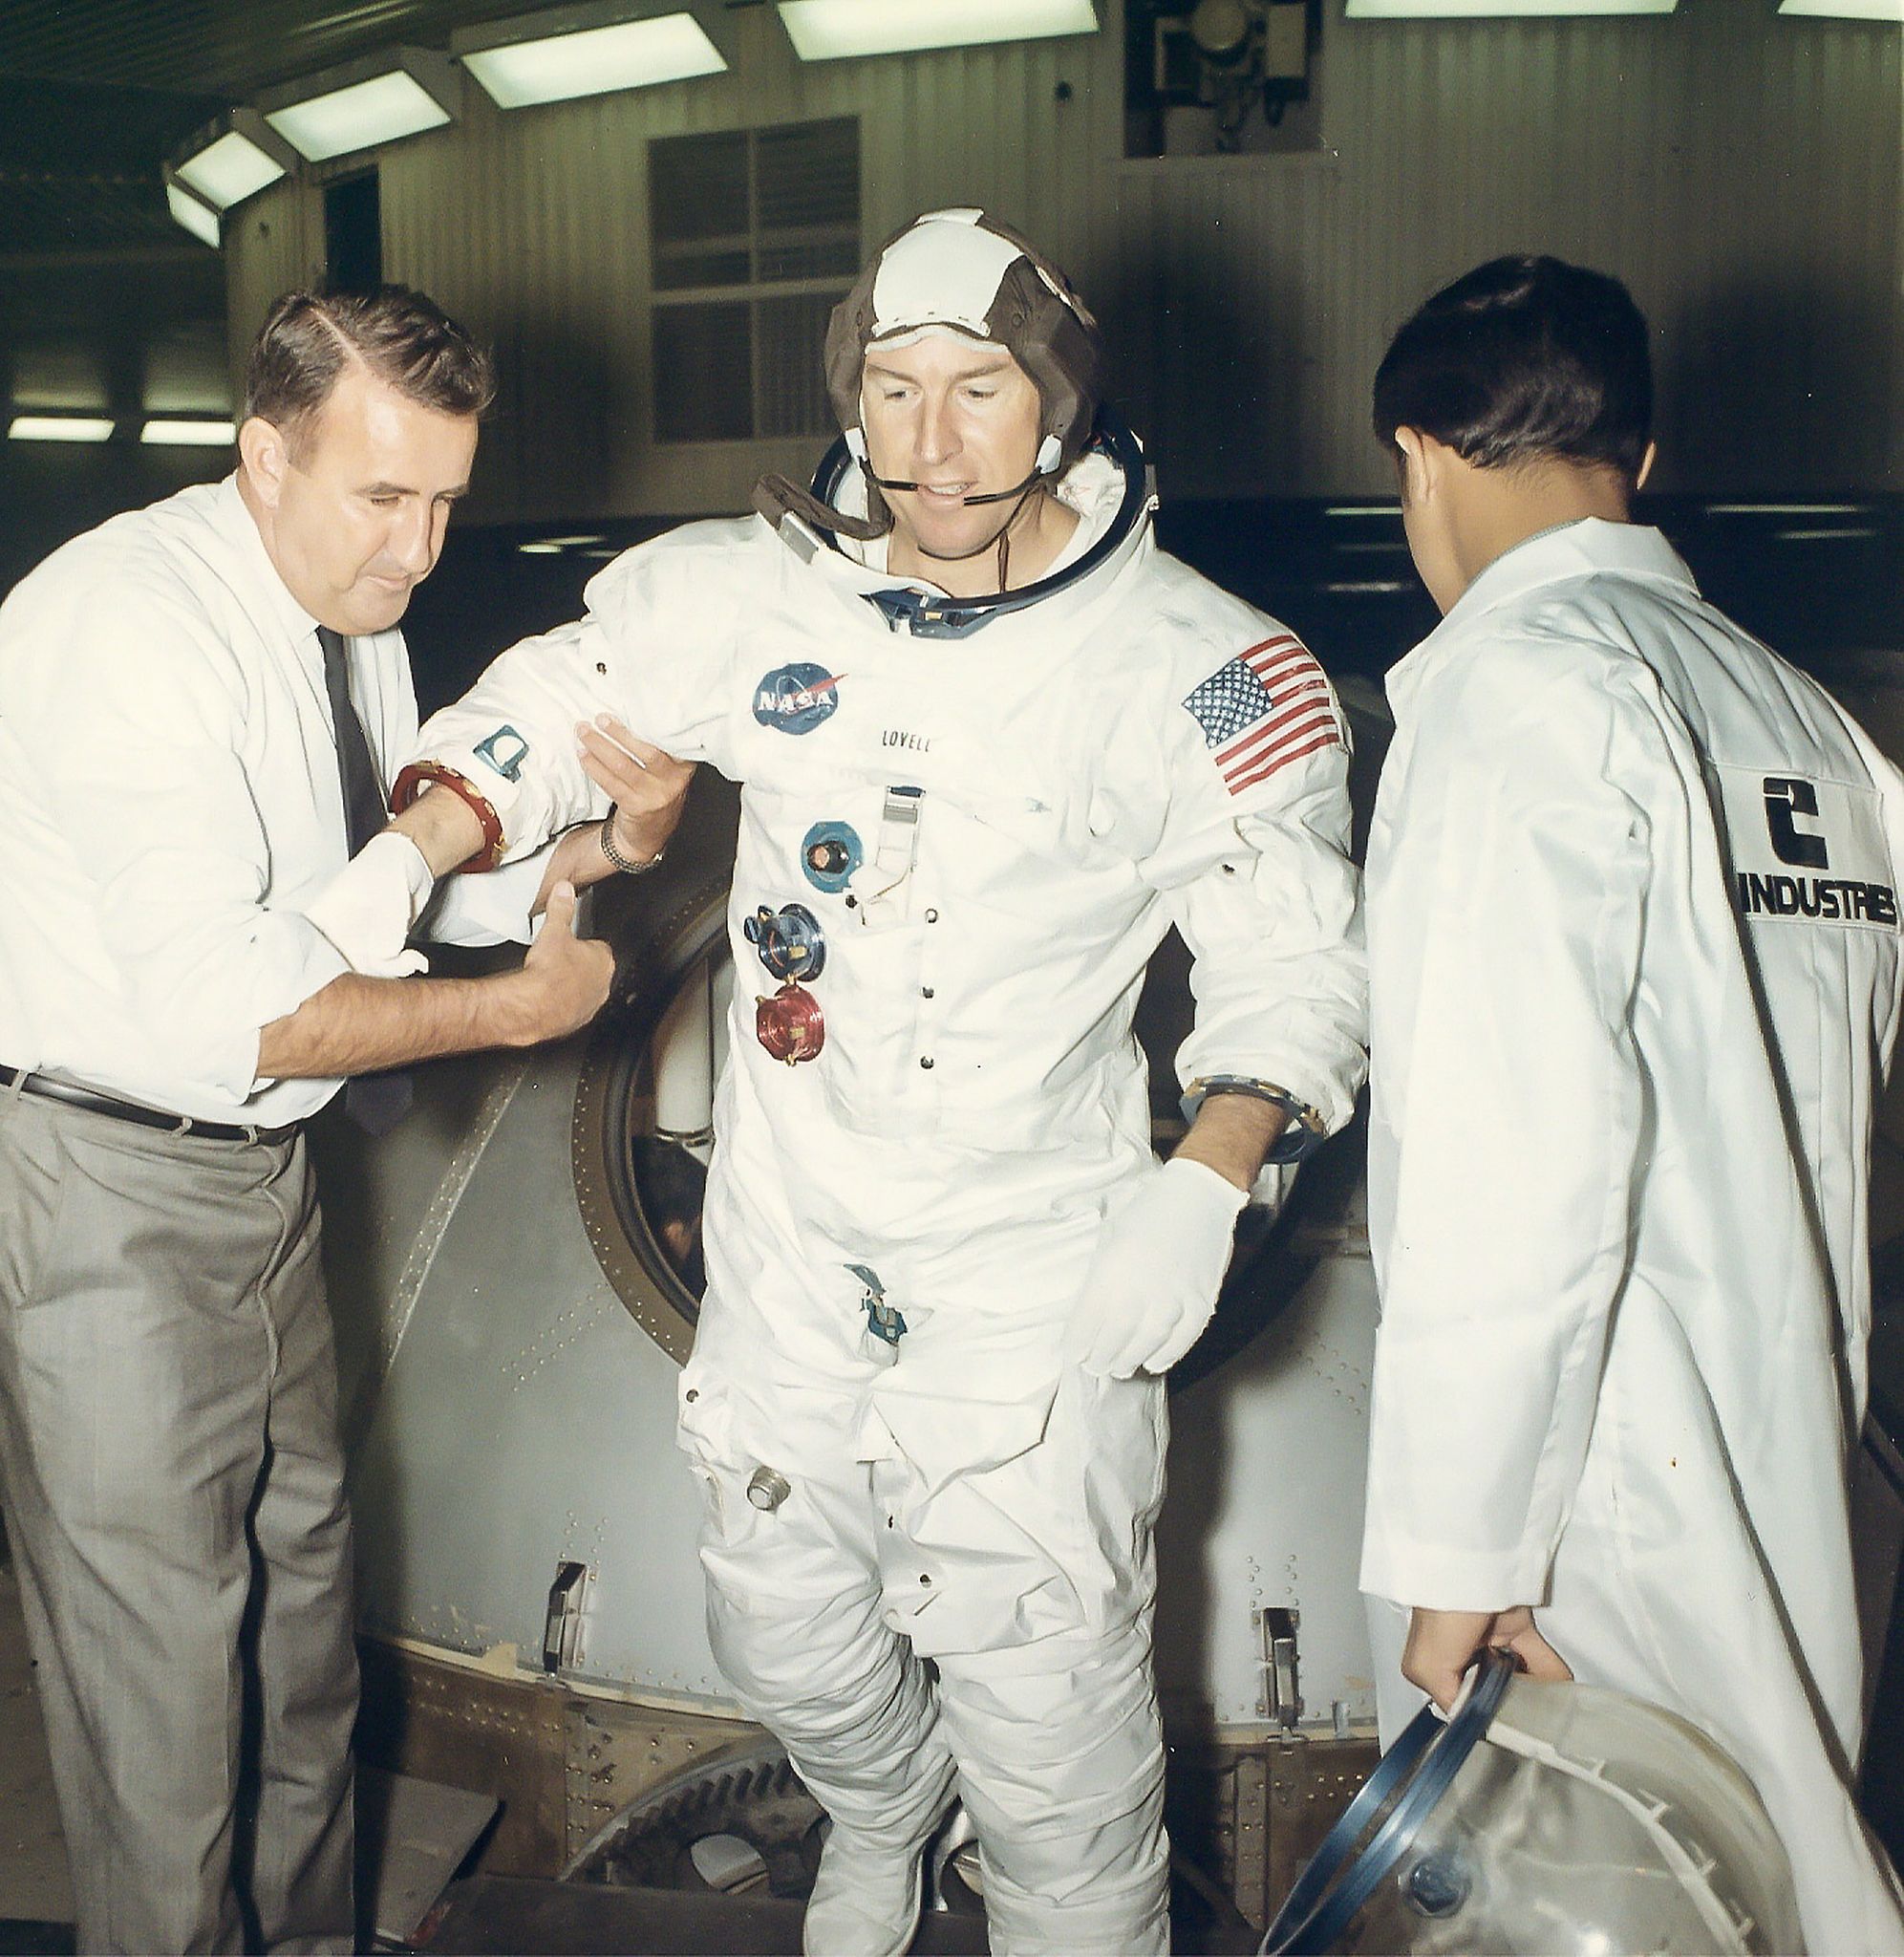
51, 1089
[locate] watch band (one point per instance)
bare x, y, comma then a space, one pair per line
1306, 1126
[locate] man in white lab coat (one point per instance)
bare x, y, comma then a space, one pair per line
994, 744
1634, 979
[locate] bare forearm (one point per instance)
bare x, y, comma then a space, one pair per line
444, 829
359, 1025
1233, 1133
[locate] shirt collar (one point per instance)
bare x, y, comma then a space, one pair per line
236, 523
1590, 547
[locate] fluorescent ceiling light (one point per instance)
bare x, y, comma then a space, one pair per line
584, 51
188, 433
59, 428
827, 29
388, 96
554, 547
1482, 9
230, 170
1847, 9
368, 113
231, 159
198, 218
1785, 508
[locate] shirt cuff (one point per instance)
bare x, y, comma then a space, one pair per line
493, 909
299, 962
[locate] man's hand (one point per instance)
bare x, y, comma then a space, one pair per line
359, 1025
1159, 1265
1443, 1644
564, 981
646, 785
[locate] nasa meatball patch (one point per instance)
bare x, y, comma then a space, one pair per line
796, 699
1267, 707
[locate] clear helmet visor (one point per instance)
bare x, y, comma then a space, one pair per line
1580, 1823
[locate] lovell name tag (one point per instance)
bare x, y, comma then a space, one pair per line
1807, 849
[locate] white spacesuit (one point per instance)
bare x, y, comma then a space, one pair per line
1635, 972
966, 824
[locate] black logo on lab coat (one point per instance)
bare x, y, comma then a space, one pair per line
1786, 796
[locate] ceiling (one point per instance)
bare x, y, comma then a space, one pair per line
226, 49
93, 94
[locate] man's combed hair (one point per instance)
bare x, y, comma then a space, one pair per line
1523, 358
404, 338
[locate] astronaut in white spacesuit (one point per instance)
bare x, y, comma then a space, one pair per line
1634, 979
994, 744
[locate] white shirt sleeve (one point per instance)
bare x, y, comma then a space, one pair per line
1506, 906
143, 732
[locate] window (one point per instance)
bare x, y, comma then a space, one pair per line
756, 236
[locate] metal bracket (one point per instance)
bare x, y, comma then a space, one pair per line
562, 1626
1281, 1696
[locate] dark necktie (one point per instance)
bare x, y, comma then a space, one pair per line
376, 1102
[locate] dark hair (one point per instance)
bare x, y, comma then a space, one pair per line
1524, 357
403, 337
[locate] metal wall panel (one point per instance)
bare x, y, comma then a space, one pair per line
1740, 171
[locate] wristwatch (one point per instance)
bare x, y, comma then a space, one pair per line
626, 865
1306, 1126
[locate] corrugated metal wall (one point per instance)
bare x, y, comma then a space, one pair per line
1742, 172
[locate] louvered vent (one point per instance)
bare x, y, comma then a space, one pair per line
756, 235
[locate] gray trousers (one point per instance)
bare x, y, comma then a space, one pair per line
174, 1495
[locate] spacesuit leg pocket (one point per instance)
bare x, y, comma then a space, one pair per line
1108, 1438
704, 1432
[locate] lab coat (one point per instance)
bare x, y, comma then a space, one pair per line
1026, 807
1634, 970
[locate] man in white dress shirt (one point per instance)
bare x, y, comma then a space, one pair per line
1634, 972
201, 705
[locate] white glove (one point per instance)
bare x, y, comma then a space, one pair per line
1159, 1265
368, 908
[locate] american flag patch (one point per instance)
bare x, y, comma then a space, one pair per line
1264, 709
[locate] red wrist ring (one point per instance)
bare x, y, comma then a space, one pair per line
410, 784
